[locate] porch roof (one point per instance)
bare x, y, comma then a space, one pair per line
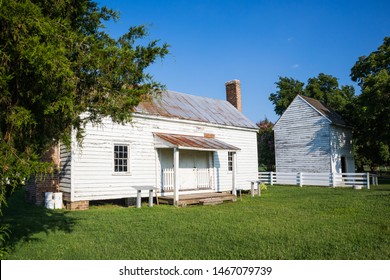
188, 142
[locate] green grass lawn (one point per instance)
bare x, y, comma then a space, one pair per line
284, 223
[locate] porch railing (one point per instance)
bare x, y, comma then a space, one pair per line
202, 176
168, 180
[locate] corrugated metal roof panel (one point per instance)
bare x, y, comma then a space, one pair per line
190, 107
195, 142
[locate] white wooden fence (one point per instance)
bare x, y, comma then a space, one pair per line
318, 179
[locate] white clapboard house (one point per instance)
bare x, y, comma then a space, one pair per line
177, 143
311, 137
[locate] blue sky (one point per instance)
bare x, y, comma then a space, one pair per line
215, 41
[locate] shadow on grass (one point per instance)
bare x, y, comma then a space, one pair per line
24, 220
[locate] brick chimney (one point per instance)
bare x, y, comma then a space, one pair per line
233, 93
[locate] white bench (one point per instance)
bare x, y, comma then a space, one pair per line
253, 182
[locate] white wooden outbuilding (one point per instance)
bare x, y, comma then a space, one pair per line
311, 137
177, 143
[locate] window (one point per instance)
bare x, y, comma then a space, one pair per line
230, 161
121, 158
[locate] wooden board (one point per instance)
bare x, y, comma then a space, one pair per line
199, 198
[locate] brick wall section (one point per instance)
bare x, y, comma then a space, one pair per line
233, 93
41, 183
37, 186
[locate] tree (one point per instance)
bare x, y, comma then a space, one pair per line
288, 88
324, 88
59, 69
266, 146
371, 111
58, 64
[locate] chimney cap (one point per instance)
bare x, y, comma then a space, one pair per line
235, 81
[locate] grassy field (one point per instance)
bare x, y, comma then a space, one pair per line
284, 223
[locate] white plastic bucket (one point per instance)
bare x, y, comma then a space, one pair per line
58, 200
49, 202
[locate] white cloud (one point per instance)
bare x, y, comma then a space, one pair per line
295, 66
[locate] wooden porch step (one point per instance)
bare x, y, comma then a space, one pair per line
211, 201
199, 198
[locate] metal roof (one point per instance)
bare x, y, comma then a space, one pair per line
325, 110
197, 108
191, 142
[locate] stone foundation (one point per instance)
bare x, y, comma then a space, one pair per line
77, 205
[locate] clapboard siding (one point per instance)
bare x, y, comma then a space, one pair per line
65, 170
302, 138
93, 174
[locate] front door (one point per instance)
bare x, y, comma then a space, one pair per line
187, 165
190, 163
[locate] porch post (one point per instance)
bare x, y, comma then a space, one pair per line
176, 176
234, 173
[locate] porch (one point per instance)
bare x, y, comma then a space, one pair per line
190, 165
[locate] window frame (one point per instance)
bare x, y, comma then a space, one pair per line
230, 162
127, 159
